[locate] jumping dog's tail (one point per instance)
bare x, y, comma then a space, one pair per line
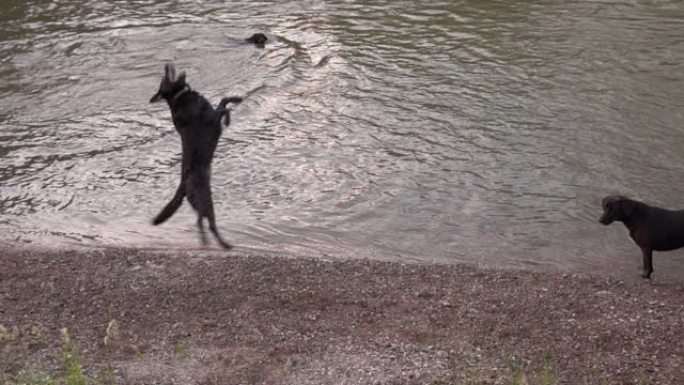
172, 206
222, 110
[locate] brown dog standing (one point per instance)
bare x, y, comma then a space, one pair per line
651, 228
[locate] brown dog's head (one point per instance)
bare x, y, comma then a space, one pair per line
616, 208
170, 85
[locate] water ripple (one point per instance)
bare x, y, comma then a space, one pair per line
467, 130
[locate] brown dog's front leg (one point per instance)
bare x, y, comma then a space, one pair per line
648, 262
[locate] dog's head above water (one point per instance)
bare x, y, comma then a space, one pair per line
616, 208
170, 85
258, 39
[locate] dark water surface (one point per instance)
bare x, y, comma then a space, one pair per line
477, 131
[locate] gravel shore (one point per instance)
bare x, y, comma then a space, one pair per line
207, 318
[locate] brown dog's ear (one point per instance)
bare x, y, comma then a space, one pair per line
605, 202
609, 200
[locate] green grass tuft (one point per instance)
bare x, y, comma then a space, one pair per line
181, 350
548, 374
32, 377
73, 370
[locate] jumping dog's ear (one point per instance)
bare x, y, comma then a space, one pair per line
158, 96
170, 72
181, 78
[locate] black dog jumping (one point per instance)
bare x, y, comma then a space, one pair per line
651, 228
199, 126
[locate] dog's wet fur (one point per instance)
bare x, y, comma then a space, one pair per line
199, 126
651, 228
258, 39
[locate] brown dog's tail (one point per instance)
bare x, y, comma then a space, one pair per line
222, 110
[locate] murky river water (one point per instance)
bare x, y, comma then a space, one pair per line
478, 131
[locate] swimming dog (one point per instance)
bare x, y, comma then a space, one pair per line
258, 39
199, 126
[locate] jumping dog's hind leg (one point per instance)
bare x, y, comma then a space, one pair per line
199, 195
203, 234
212, 227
